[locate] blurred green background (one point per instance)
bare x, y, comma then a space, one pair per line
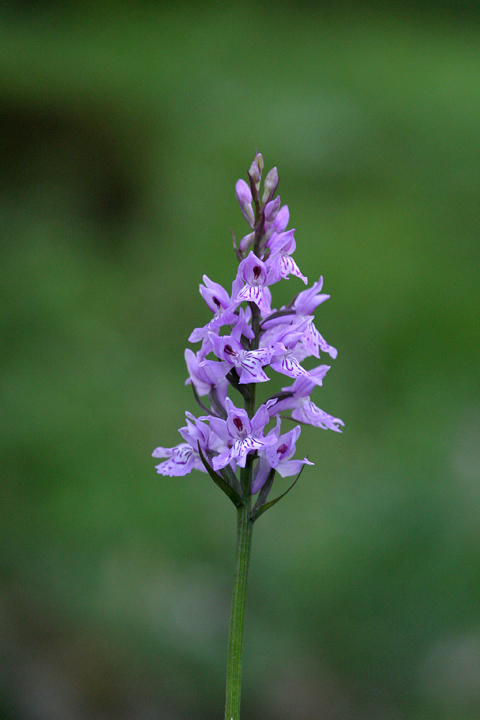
124, 128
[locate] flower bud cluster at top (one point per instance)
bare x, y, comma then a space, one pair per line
245, 335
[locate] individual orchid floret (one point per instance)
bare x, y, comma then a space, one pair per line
245, 435
284, 359
256, 277
281, 248
303, 307
184, 458
231, 353
277, 456
203, 379
297, 399
219, 302
305, 303
196, 432
244, 197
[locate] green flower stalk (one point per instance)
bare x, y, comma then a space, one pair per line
243, 448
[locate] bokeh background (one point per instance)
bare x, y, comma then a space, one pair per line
124, 128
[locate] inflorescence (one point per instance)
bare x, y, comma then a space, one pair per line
246, 336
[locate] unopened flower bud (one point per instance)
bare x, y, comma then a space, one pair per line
259, 161
244, 194
244, 197
255, 173
246, 241
271, 209
270, 185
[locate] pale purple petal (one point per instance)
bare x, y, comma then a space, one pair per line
162, 452
181, 461
286, 468
308, 300
271, 209
257, 295
303, 386
261, 418
216, 370
281, 221
290, 267
238, 452
214, 295
325, 347
219, 427
290, 366
195, 374
261, 474
309, 413
251, 370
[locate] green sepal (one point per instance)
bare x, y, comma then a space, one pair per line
221, 481
263, 508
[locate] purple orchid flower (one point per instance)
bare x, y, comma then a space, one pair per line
219, 302
243, 434
282, 245
284, 358
204, 380
256, 276
305, 304
277, 456
302, 309
231, 353
184, 458
303, 409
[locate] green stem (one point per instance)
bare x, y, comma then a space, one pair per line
237, 620
242, 561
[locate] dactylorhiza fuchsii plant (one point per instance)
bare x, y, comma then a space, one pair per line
243, 337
